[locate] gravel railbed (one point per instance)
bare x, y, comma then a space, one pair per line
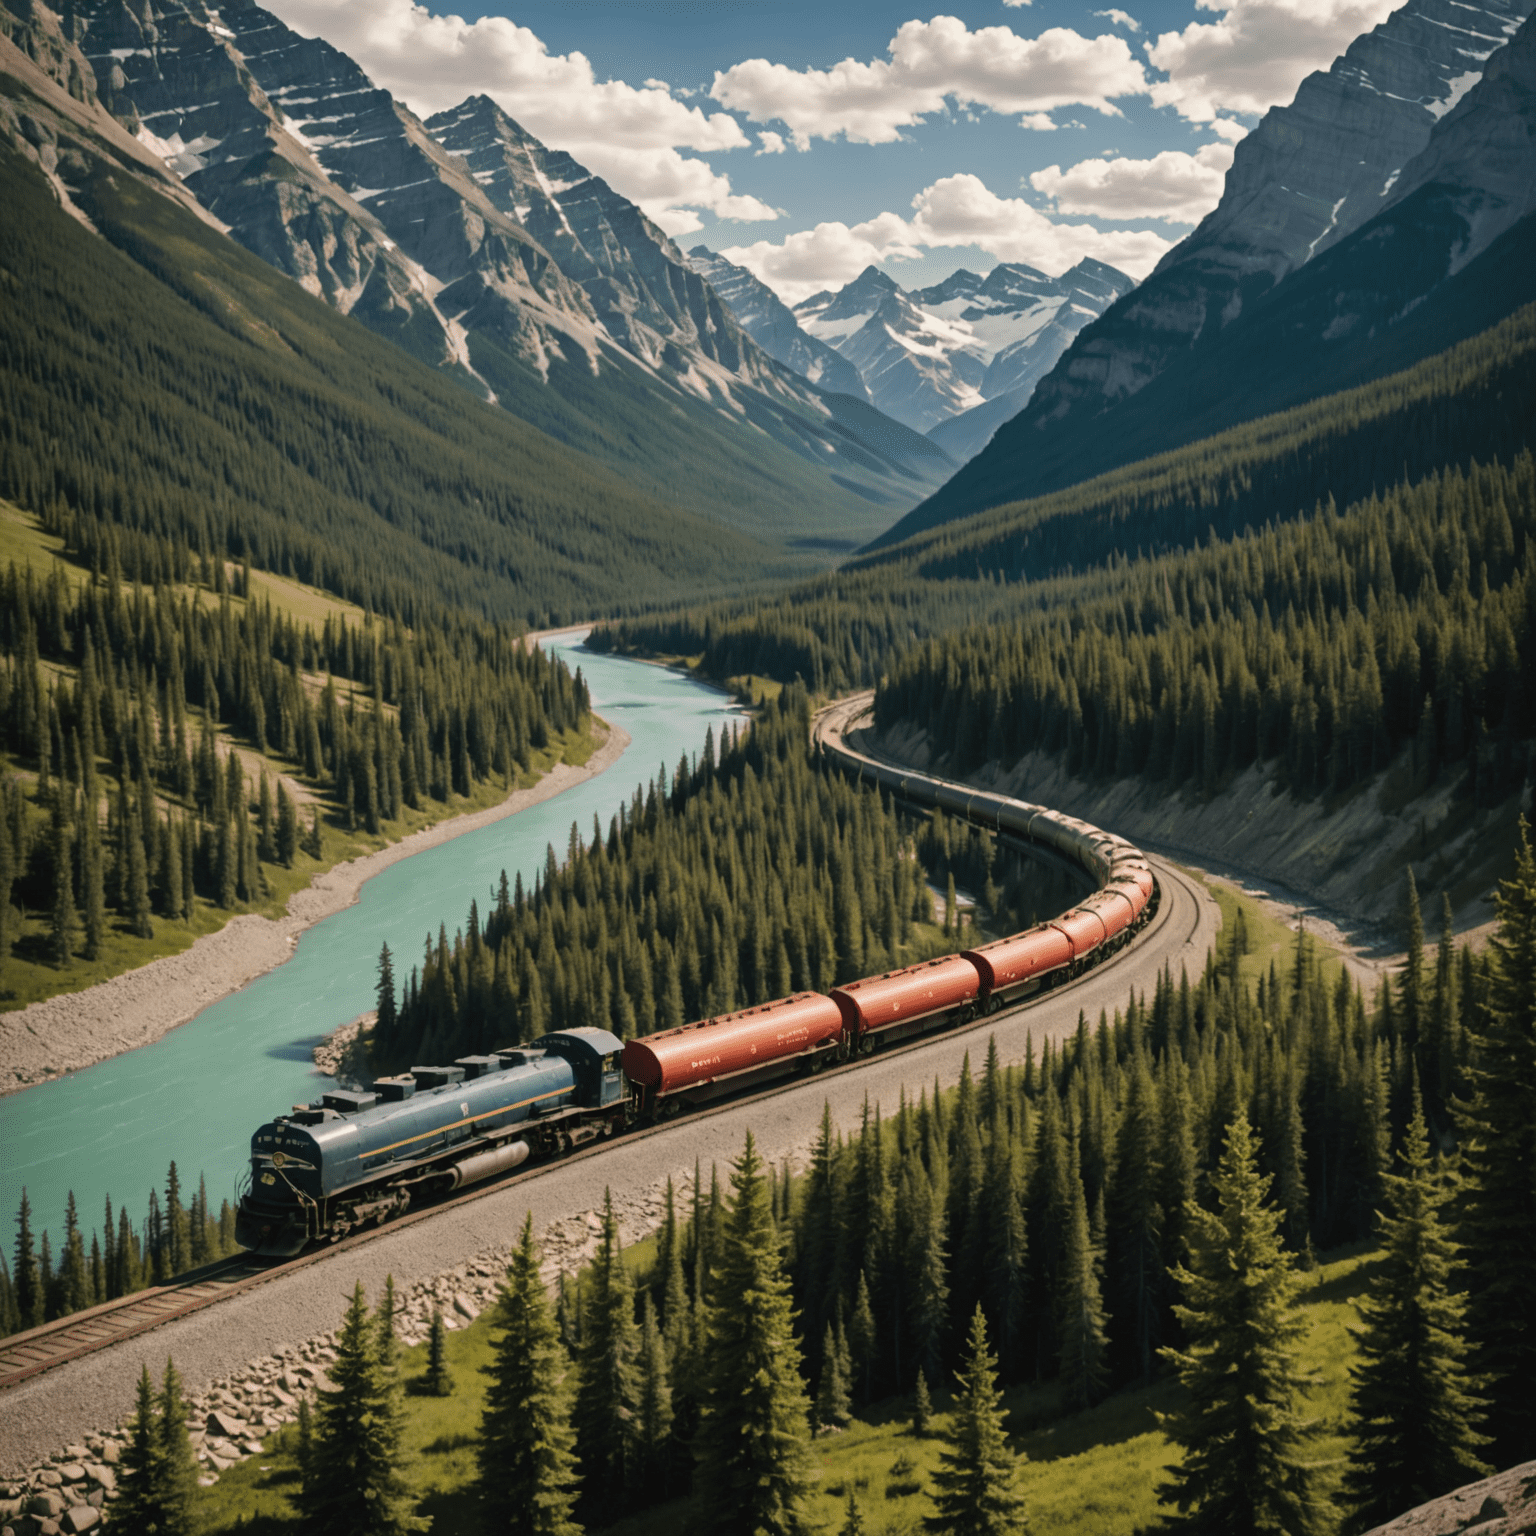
94, 1395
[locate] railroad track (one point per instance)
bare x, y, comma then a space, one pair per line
27, 1355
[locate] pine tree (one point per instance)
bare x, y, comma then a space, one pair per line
922, 1406
832, 1410
158, 1473
753, 1462
28, 1278
608, 1384
357, 1485
976, 1484
178, 1465
388, 1018
1415, 1408
437, 1381
61, 926
526, 1461
1239, 1429
136, 1511
653, 1414
853, 1524
1498, 1132
1080, 1311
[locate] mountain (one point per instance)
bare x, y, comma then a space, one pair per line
1360, 186
933, 355
772, 325
504, 263
164, 388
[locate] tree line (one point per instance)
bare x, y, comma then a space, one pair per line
175, 1236
726, 882
1326, 647
139, 683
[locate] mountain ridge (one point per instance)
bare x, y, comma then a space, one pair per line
1201, 321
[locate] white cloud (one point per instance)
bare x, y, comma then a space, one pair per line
930, 63
772, 143
1014, 5
1175, 186
955, 211
1121, 19
1255, 53
630, 136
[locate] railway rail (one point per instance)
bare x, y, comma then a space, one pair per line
26, 1355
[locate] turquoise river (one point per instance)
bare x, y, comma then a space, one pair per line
197, 1094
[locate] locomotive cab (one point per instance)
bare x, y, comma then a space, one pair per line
594, 1056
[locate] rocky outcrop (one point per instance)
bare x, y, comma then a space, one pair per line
1501, 1505
770, 322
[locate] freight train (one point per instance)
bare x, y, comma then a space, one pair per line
354, 1158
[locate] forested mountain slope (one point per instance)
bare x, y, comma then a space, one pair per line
1270, 303
479, 251
1475, 403
159, 378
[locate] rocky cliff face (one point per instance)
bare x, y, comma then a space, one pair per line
770, 322
1280, 297
937, 354
1304, 180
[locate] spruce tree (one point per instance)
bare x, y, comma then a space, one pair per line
437, 1380
1239, 1428
178, 1466
922, 1406
27, 1274
608, 1383
136, 1511
526, 1459
357, 1486
653, 1414
1498, 1135
832, 1410
753, 1461
1415, 1408
1080, 1311
976, 1485
853, 1522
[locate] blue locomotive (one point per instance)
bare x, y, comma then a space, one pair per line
353, 1158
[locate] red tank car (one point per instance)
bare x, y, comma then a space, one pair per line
1114, 910
1138, 872
1085, 929
1132, 892
1013, 966
716, 1056
907, 1001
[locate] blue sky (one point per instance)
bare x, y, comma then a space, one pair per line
806, 139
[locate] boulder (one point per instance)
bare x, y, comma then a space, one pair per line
102, 1476
46, 1505
80, 1518
225, 1425
1501, 1505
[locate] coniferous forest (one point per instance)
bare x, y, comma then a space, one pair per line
137, 808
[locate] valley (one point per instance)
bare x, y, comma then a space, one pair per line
946, 606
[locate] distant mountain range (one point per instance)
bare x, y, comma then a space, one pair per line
952, 361
1383, 216
483, 253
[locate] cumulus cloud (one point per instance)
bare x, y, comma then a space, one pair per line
771, 143
955, 211
632, 136
1255, 53
1175, 186
1121, 19
930, 64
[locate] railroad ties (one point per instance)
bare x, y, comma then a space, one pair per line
40, 1349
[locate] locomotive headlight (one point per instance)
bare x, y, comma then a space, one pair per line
279, 1159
